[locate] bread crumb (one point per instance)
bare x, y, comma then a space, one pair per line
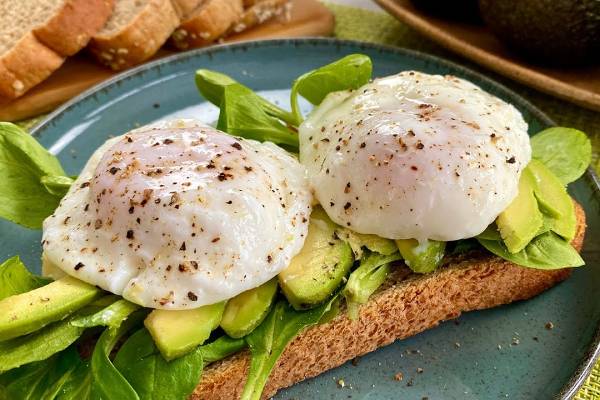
341, 383
457, 345
420, 370
549, 325
399, 376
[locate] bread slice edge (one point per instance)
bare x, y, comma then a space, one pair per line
403, 307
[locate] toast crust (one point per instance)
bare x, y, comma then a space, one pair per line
259, 12
405, 305
210, 21
140, 39
43, 50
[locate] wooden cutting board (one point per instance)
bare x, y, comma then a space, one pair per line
476, 42
308, 18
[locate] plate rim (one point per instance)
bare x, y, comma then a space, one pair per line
592, 356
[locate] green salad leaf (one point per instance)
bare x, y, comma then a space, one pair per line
350, 72
567, 152
16, 279
107, 381
364, 281
242, 115
151, 375
212, 84
38, 346
40, 380
78, 385
24, 163
270, 338
111, 316
221, 348
57, 185
546, 251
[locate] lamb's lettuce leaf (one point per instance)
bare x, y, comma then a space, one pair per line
16, 279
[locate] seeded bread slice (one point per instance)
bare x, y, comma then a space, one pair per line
137, 29
257, 12
37, 35
406, 305
207, 23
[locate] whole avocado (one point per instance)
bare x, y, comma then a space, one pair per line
549, 31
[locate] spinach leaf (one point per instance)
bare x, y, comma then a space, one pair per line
111, 316
24, 199
242, 115
547, 251
211, 86
221, 348
566, 152
16, 279
37, 346
107, 381
151, 375
350, 72
40, 380
363, 281
270, 338
78, 384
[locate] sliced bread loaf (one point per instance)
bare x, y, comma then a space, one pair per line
136, 30
260, 11
37, 35
207, 23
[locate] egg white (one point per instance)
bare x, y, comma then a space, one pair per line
415, 156
177, 215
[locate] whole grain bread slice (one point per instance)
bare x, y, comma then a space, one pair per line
260, 11
207, 23
405, 305
137, 30
37, 35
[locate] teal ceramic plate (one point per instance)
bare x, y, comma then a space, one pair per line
502, 353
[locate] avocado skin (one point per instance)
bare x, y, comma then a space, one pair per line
247, 310
318, 270
27, 312
560, 32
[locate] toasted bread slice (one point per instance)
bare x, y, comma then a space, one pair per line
207, 23
37, 35
260, 11
137, 30
405, 305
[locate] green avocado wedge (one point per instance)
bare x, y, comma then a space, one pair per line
27, 312
176, 333
374, 243
421, 258
247, 310
522, 219
323, 263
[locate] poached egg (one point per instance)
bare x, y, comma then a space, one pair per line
415, 156
177, 215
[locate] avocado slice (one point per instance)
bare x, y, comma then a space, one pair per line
522, 219
319, 268
247, 310
421, 258
374, 243
177, 332
27, 312
554, 201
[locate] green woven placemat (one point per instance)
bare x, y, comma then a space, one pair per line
377, 27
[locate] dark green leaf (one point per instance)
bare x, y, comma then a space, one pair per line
23, 163
107, 381
547, 251
566, 152
78, 385
16, 279
270, 338
364, 281
42, 380
221, 348
111, 316
350, 72
242, 115
211, 86
151, 375
38, 346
